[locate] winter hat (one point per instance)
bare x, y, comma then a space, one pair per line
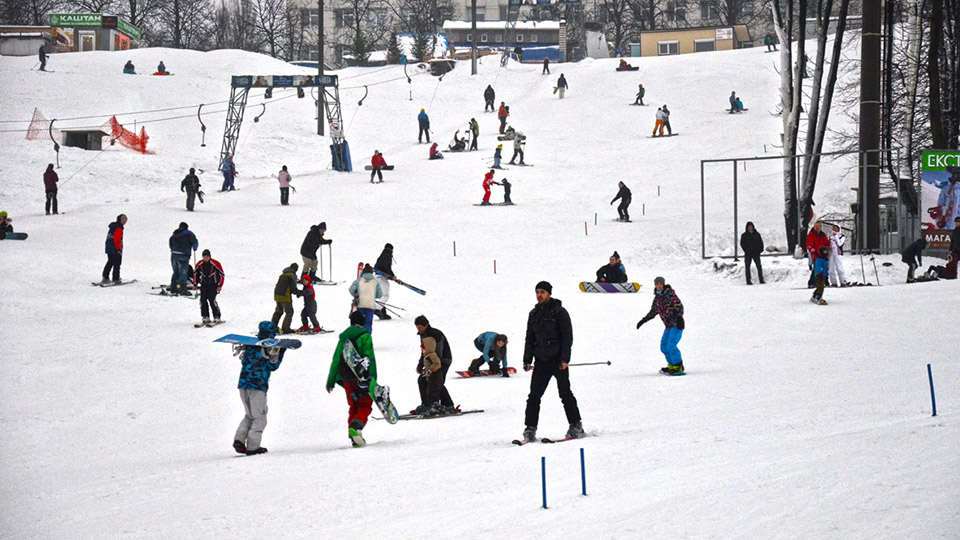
266, 330
206, 253
616, 255
545, 285
322, 225
294, 266
3, 214
659, 280
367, 269
500, 146
388, 246
306, 279
184, 226
357, 319
192, 170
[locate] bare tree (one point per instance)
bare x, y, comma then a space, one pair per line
361, 25
27, 12
616, 13
646, 13
186, 23
92, 6
269, 18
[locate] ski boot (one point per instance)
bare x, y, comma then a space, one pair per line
316, 329
303, 329
261, 450
475, 364
105, 281
576, 431
529, 434
239, 447
504, 372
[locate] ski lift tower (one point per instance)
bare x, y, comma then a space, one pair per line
510, 30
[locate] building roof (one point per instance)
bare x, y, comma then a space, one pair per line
502, 25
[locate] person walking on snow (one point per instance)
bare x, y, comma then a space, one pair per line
546, 66
43, 59
424, 121
308, 249
181, 242
752, 245
114, 249
613, 272
309, 312
257, 364
912, 256
488, 98
818, 249
548, 340
208, 277
50, 180
659, 124
435, 360
365, 292
640, 93
377, 162
838, 277
475, 132
191, 185
493, 352
357, 390
502, 114
668, 306
284, 178
229, 171
283, 294
384, 273
487, 181
519, 139
625, 197
562, 85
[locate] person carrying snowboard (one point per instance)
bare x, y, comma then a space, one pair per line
309, 312
659, 124
43, 59
384, 273
181, 242
424, 122
640, 93
548, 340
308, 249
113, 249
613, 272
435, 360
356, 388
838, 278
50, 180
519, 139
365, 291
818, 249
475, 132
257, 364
284, 178
487, 181
283, 294
912, 256
229, 171
625, 197
668, 306
752, 245
488, 98
502, 115
493, 352
377, 162
191, 185
208, 277
562, 85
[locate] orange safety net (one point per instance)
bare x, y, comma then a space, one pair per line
40, 128
126, 137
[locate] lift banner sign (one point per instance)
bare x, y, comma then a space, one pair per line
939, 197
282, 81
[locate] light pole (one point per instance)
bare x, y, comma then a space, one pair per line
320, 114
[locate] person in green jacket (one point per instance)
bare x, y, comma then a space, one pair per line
358, 381
475, 131
283, 295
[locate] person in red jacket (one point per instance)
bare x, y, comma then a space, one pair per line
502, 114
114, 249
377, 162
50, 180
818, 249
487, 181
208, 277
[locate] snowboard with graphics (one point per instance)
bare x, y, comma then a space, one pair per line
360, 366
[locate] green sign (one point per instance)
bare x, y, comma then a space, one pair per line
128, 29
939, 161
76, 19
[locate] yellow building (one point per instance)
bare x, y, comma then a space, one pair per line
691, 40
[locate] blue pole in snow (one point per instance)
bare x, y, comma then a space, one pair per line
454, 248
933, 398
583, 473
543, 474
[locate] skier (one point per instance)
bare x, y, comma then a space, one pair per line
502, 114
377, 162
129, 69
191, 185
434, 153
114, 249
548, 340
283, 294
43, 59
640, 93
838, 277
384, 273
50, 180
668, 306
506, 191
659, 124
912, 256
546, 66
229, 171
562, 85
357, 390
625, 197
309, 312
475, 132
284, 178
488, 97
258, 363
752, 245
497, 155
365, 291
435, 360
818, 248
181, 242
208, 276
733, 103
6, 227
487, 181
308, 249
493, 351
518, 141
666, 120
613, 272
424, 121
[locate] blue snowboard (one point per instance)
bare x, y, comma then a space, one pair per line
238, 339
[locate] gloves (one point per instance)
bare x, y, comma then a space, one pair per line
639, 324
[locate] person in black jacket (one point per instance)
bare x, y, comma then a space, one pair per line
613, 272
549, 340
752, 245
955, 237
435, 360
43, 59
308, 250
625, 197
190, 184
384, 273
912, 256
488, 97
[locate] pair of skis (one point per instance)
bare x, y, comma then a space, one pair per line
544, 440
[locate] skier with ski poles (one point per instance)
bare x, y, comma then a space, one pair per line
668, 306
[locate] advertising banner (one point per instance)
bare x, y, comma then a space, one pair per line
939, 197
282, 81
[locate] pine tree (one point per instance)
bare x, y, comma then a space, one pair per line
393, 50
421, 42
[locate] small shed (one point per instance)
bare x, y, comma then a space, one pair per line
88, 139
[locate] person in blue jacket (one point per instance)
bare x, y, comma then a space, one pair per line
424, 125
129, 69
493, 351
229, 173
258, 363
181, 241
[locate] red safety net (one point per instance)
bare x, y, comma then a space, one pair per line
40, 128
126, 137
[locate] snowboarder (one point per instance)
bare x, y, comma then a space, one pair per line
613, 272
640, 93
506, 191
502, 114
384, 273
488, 98
50, 180
283, 294
161, 69
377, 162
365, 291
546, 66
912, 256
284, 178
668, 306
5, 226
818, 249
434, 153
519, 139
659, 124
229, 171
497, 156
208, 277
625, 197
114, 249
308, 249
475, 132
309, 312
424, 122
258, 363
838, 277
487, 181
435, 360
129, 69
752, 245
561, 85
191, 185
548, 340
181, 242
740, 105
357, 391
733, 103
493, 351
666, 120
43, 59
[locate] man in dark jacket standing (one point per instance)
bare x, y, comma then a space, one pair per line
208, 277
43, 59
308, 250
912, 256
283, 295
50, 180
190, 184
435, 360
181, 242
114, 249
752, 245
549, 340
625, 197
488, 97
384, 273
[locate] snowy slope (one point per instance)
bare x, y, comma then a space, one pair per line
794, 421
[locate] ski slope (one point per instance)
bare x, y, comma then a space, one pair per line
794, 421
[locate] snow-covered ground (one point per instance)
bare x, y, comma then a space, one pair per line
794, 421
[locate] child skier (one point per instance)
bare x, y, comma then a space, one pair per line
493, 351
309, 311
668, 306
837, 276
497, 155
258, 364
356, 387
506, 191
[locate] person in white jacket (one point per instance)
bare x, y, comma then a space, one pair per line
837, 276
365, 291
284, 178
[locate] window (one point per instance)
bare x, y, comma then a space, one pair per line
310, 17
704, 45
668, 48
499, 38
483, 38
311, 52
469, 38
481, 14
377, 16
519, 38
534, 38
342, 18
708, 11
503, 12
681, 14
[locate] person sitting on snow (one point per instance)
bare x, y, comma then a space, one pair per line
129, 69
434, 153
613, 272
161, 69
458, 144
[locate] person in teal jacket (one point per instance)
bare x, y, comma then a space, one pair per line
257, 364
493, 351
356, 382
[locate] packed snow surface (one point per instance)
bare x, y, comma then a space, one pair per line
794, 420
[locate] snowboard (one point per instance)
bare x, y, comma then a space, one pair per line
658, 136
505, 137
238, 339
639, 104
623, 220
735, 112
112, 284
679, 374
361, 369
484, 373
386, 168
16, 236
458, 412
597, 287
629, 68
495, 204
209, 324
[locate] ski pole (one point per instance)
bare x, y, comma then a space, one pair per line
863, 275
872, 258
331, 260
390, 305
590, 364
321, 263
